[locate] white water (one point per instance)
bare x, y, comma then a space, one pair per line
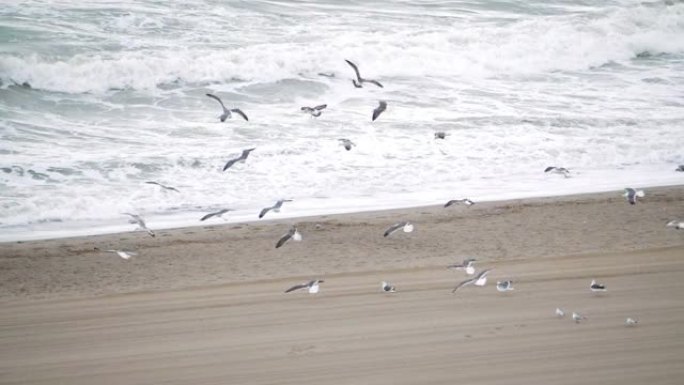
117, 99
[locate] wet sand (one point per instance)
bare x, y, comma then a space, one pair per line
206, 305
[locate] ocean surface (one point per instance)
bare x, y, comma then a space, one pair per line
98, 97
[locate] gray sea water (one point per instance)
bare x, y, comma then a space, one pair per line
99, 97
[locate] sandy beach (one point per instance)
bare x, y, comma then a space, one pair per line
205, 305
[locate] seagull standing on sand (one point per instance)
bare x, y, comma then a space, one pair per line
560, 313
312, 286
276, 207
215, 214
596, 287
358, 82
382, 106
577, 317
632, 194
407, 227
226, 112
503, 286
242, 158
631, 322
465, 201
293, 234
387, 288
558, 170
138, 220
315, 111
346, 143
479, 280
163, 187
677, 224
467, 265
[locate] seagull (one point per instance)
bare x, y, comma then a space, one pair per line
276, 207
293, 234
596, 287
387, 288
124, 254
312, 286
441, 135
138, 220
162, 186
631, 321
560, 313
358, 82
406, 226
577, 317
466, 265
215, 214
315, 111
465, 201
504, 286
241, 158
346, 143
680, 168
226, 112
677, 224
382, 106
479, 280
558, 170
632, 194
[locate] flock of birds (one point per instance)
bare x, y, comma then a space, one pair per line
293, 234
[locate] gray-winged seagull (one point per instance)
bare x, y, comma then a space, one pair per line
632, 195
479, 280
138, 220
358, 82
242, 158
227, 112
406, 226
276, 207
215, 214
315, 111
382, 106
293, 234
312, 286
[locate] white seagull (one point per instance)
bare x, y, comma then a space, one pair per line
358, 82
467, 265
479, 280
558, 170
293, 234
138, 220
242, 158
387, 288
215, 214
464, 201
632, 195
677, 224
407, 227
504, 286
315, 111
577, 317
382, 106
346, 143
276, 207
124, 254
227, 112
560, 313
163, 186
596, 287
631, 321
312, 286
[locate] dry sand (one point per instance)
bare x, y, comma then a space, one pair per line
206, 305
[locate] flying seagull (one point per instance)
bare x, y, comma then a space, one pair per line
465, 201
558, 170
406, 226
441, 135
680, 168
466, 265
312, 286
382, 106
632, 195
215, 214
577, 317
387, 288
631, 322
504, 286
315, 111
226, 112
479, 280
358, 82
596, 287
291, 234
163, 186
138, 220
121, 253
346, 143
241, 158
677, 224
276, 207
560, 313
